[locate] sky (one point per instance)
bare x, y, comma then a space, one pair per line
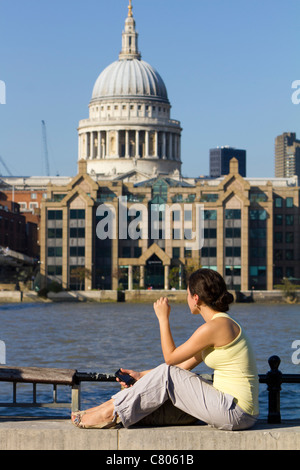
228, 66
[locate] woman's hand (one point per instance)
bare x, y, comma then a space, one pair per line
136, 375
162, 308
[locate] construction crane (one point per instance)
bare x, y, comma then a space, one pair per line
44, 133
5, 166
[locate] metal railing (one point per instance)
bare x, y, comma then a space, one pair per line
273, 379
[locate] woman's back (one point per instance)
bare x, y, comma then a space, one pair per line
235, 370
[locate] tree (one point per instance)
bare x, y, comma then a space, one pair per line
80, 274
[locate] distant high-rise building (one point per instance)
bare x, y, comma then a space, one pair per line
287, 155
220, 157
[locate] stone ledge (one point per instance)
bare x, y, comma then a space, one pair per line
58, 434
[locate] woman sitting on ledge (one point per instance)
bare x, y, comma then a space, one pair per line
171, 394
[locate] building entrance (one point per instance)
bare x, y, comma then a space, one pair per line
154, 273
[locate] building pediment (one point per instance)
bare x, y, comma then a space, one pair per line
133, 176
154, 249
77, 193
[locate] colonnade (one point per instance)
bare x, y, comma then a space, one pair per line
142, 277
129, 143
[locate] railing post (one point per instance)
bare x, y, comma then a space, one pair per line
274, 381
75, 397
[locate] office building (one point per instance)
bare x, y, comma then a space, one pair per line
287, 155
219, 160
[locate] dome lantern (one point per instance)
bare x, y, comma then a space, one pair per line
129, 38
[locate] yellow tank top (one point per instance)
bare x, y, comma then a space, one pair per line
235, 370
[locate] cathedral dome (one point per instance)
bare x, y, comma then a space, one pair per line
129, 131
130, 78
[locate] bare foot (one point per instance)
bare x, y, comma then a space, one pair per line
95, 416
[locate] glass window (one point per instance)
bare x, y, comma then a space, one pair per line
210, 233
54, 215
258, 252
209, 252
289, 219
77, 214
77, 251
187, 216
54, 251
289, 237
257, 270
233, 251
77, 232
176, 216
188, 234
278, 201
289, 202
278, 272
278, 219
187, 252
54, 233
54, 270
209, 215
258, 197
137, 251
209, 197
259, 233
233, 213
258, 215
278, 237
289, 255
176, 252
289, 272
176, 233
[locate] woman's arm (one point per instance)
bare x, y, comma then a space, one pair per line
191, 363
188, 354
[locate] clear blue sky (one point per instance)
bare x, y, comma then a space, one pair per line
228, 66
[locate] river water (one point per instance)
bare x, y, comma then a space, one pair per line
95, 337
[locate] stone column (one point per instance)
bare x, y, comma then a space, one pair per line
79, 147
137, 144
126, 144
142, 277
107, 144
87, 145
118, 144
171, 146
92, 146
156, 144
99, 145
130, 278
146, 144
167, 270
164, 146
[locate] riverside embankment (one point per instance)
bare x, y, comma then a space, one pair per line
56, 434
142, 296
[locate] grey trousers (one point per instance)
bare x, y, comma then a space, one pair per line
169, 395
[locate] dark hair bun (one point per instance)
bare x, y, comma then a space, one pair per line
223, 302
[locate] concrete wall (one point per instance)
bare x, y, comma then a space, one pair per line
56, 434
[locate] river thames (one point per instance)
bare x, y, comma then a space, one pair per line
101, 337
